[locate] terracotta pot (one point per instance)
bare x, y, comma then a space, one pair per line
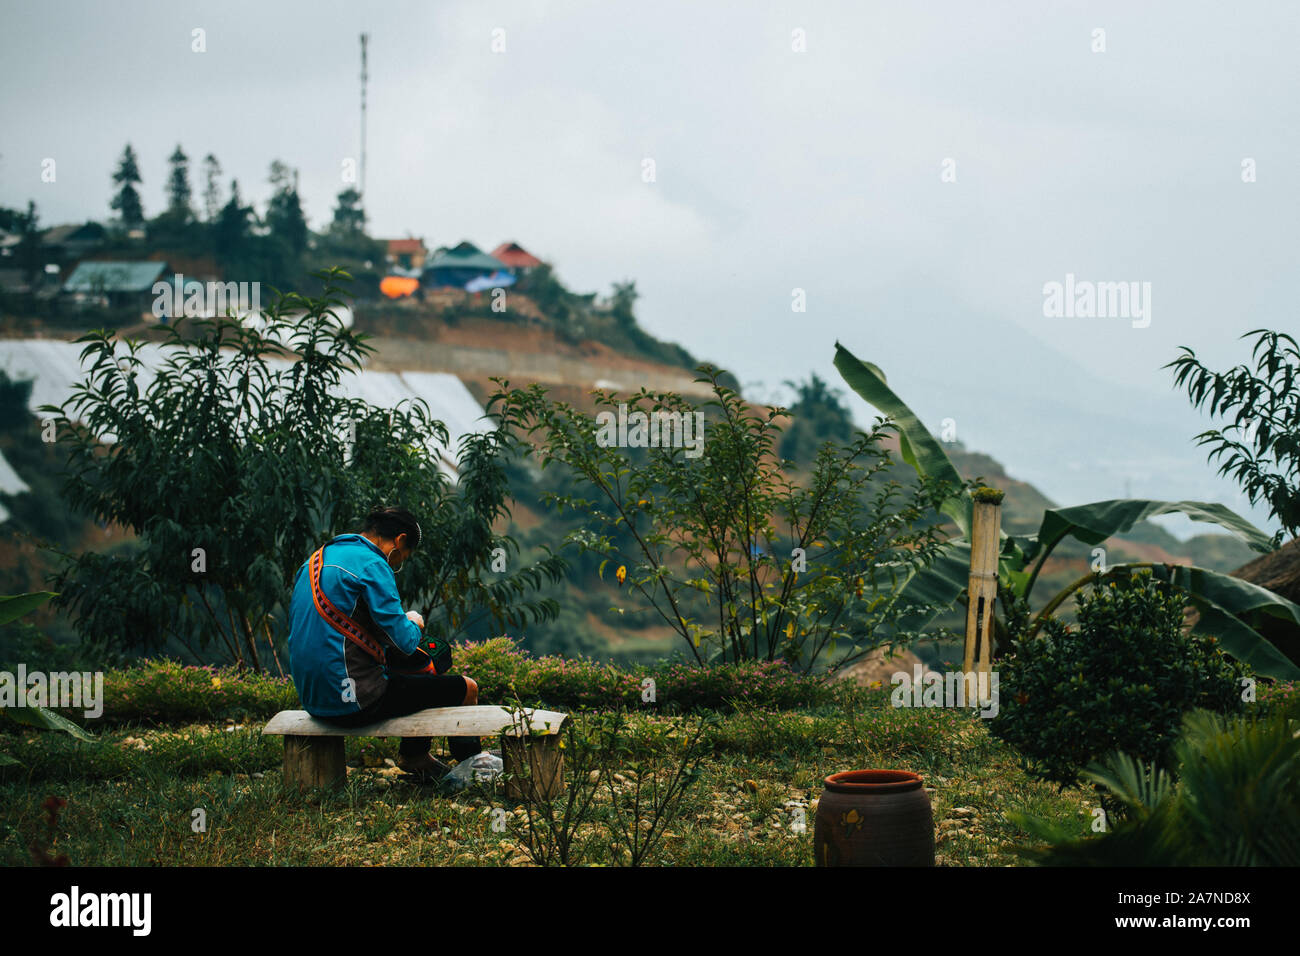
874, 818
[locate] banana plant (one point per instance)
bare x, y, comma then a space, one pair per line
1228, 606
12, 607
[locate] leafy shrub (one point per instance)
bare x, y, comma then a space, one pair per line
232, 466
1280, 697
1260, 447
718, 539
1233, 802
166, 692
170, 755
576, 682
737, 686
1121, 680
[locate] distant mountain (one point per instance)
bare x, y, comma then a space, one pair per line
1023, 508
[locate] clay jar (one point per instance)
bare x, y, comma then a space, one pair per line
874, 818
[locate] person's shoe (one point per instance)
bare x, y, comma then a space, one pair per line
426, 768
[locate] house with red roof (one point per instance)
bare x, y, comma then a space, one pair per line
516, 257
407, 254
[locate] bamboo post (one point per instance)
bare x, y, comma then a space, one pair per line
985, 532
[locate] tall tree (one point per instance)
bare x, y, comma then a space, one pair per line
127, 200
622, 301
233, 229
211, 188
818, 417
284, 214
28, 252
179, 193
259, 463
349, 217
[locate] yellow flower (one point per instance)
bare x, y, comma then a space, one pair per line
216, 682
621, 574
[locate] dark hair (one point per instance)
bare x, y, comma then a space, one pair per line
390, 522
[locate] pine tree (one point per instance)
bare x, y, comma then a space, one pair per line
28, 252
284, 213
211, 189
127, 201
178, 187
233, 228
349, 217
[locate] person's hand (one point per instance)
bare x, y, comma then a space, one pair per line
416, 619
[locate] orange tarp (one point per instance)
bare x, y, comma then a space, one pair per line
397, 286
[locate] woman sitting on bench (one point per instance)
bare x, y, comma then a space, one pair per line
355, 655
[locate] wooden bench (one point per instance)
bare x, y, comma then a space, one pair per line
530, 744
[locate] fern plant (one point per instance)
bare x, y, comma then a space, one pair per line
1232, 801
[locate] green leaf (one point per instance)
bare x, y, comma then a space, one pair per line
918, 446
1226, 604
8, 761
14, 606
937, 585
46, 719
1094, 523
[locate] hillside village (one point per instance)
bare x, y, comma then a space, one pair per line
445, 345
445, 320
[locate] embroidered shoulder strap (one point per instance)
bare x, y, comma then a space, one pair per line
336, 618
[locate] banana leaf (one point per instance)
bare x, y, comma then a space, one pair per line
1226, 604
14, 606
918, 446
937, 586
1094, 523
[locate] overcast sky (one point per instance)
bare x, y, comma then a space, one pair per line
775, 169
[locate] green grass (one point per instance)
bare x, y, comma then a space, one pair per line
131, 796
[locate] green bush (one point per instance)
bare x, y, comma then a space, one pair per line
231, 470
1121, 680
165, 692
497, 665
1231, 801
1280, 697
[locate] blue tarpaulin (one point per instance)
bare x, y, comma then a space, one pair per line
496, 280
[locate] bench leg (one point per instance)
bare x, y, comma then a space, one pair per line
537, 766
313, 762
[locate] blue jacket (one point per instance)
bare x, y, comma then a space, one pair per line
333, 675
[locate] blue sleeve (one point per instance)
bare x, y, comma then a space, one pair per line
386, 607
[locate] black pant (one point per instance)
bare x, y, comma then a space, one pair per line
408, 693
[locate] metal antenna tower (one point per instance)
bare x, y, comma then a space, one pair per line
364, 76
